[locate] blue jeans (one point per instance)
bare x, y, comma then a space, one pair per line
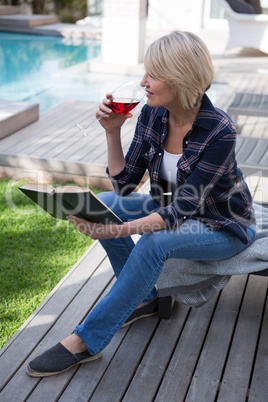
137, 267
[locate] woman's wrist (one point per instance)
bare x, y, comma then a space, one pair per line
113, 133
150, 223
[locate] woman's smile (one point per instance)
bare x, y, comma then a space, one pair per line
149, 94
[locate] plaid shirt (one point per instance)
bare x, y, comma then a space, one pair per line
209, 185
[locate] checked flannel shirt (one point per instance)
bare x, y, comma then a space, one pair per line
210, 187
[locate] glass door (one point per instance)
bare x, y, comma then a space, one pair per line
213, 15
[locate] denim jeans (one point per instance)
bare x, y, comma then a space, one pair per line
137, 267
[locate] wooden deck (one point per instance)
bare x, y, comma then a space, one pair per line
53, 148
214, 353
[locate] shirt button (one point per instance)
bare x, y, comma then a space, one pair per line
186, 142
160, 154
184, 217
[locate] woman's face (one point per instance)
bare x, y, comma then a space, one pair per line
158, 93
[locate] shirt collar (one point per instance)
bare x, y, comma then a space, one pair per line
204, 119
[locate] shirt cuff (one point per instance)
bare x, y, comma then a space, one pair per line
172, 220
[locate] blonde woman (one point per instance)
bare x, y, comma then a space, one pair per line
188, 147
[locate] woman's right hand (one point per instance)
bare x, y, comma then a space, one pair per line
111, 121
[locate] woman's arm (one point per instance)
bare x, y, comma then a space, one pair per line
151, 223
112, 123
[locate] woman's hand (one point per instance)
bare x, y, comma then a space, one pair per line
111, 121
96, 230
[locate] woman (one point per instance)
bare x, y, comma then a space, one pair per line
188, 146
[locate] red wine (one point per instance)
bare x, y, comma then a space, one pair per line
123, 105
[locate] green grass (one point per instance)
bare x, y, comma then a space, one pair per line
36, 252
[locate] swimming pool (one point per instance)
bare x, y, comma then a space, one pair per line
49, 70
33, 68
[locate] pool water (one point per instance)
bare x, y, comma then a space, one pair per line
50, 70
33, 67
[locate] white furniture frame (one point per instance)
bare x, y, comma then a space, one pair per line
246, 30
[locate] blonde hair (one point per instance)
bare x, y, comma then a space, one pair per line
181, 60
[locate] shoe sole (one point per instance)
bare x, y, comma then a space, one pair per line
138, 318
33, 373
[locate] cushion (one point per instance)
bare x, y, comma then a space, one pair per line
256, 5
240, 6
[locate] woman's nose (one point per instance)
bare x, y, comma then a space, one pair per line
144, 80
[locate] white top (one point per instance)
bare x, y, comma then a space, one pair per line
168, 168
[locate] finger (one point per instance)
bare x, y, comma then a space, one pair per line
104, 109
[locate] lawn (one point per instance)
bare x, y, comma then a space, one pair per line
36, 252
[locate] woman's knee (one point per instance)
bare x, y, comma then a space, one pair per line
151, 244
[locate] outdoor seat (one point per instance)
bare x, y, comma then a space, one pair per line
252, 155
248, 104
246, 30
195, 282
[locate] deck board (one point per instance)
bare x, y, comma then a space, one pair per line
180, 358
213, 353
236, 379
54, 145
208, 373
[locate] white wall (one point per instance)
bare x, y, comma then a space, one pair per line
123, 31
175, 14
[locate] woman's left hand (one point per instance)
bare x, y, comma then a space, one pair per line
96, 230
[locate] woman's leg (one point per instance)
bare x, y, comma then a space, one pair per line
133, 206
192, 240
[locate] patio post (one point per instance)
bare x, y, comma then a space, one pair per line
123, 31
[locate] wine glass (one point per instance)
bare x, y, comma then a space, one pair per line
124, 99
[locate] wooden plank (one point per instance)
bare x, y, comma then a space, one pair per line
99, 155
76, 148
26, 21
261, 191
155, 361
21, 385
47, 315
259, 383
16, 115
185, 357
76, 273
87, 377
24, 137
125, 362
54, 165
58, 137
81, 380
208, 373
9, 10
253, 185
236, 378
52, 131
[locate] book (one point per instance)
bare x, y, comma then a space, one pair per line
62, 201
